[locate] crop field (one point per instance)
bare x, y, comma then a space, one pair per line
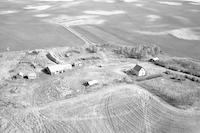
123, 108
172, 25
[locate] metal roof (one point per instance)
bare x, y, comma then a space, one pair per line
137, 68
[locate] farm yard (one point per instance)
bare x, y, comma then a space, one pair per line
94, 95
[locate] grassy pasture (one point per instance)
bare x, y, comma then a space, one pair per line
183, 65
181, 94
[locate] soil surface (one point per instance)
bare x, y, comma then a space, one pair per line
173, 25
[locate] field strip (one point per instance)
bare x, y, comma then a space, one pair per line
139, 91
84, 39
106, 35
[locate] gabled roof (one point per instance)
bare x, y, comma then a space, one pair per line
137, 68
53, 57
59, 67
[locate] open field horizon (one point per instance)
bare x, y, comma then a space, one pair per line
172, 25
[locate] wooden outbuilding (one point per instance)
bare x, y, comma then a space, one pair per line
55, 69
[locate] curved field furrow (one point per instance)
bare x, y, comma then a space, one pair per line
53, 126
80, 127
167, 122
108, 114
135, 116
123, 121
133, 121
123, 125
119, 111
179, 114
106, 125
155, 113
59, 127
100, 127
9, 128
86, 125
13, 123
128, 114
147, 119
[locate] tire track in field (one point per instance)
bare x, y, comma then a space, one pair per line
105, 35
108, 113
134, 39
83, 38
89, 34
155, 117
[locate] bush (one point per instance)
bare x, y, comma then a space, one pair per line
160, 63
174, 76
138, 52
192, 78
174, 68
167, 72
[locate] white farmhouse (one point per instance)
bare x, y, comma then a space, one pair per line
91, 83
139, 70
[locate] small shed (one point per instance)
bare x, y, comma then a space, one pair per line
138, 70
68, 54
77, 64
154, 59
31, 75
91, 83
55, 69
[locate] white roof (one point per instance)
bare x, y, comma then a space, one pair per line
59, 67
32, 76
155, 58
92, 82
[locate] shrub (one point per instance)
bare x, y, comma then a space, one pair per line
138, 52
167, 72
160, 63
92, 49
192, 78
33, 52
174, 68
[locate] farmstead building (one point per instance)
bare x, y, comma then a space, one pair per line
139, 70
55, 69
